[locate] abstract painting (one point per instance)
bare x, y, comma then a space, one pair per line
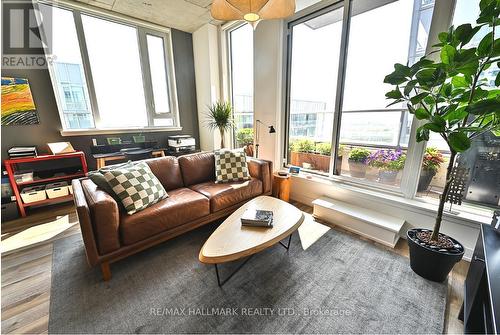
18, 107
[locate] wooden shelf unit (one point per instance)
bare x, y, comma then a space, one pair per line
10, 167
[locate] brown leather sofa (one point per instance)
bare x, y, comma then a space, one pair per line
194, 199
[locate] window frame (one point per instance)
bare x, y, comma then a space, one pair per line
441, 19
143, 29
407, 188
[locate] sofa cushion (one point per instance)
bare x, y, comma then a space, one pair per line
167, 170
197, 168
224, 195
137, 187
230, 165
182, 206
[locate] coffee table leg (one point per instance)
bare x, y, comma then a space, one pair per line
222, 282
287, 246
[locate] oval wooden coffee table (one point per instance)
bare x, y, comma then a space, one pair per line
231, 241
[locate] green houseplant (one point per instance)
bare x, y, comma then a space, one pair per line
220, 116
430, 165
388, 162
313, 155
357, 162
452, 98
244, 138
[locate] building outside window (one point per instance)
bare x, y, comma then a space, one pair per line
71, 86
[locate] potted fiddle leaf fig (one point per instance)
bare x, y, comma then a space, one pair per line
357, 162
220, 116
452, 98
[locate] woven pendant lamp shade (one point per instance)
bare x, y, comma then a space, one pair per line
252, 11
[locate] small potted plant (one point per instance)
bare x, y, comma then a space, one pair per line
301, 151
452, 97
220, 116
389, 162
430, 165
244, 138
357, 162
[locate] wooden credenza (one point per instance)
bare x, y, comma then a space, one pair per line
481, 309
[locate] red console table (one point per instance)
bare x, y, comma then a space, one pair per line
11, 165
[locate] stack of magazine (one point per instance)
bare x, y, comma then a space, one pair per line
257, 218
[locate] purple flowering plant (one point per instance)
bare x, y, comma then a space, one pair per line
393, 160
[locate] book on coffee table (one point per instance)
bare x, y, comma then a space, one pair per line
257, 218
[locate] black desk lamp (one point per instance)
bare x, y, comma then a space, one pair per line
271, 131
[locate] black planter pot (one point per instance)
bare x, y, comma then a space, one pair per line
425, 179
430, 262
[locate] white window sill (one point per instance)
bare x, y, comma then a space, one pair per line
80, 132
461, 214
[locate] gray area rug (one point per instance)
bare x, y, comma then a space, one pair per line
340, 284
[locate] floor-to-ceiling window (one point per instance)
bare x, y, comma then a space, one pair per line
368, 127
313, 82
351, 108
241, 73
372, 141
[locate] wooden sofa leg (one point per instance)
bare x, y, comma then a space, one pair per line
106, 271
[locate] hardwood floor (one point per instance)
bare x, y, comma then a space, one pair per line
26, 274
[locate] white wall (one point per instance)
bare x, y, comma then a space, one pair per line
206, 67
268, 41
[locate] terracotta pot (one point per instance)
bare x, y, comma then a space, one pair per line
316, 161
248, 150
357, 169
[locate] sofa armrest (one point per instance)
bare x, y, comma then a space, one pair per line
83, 213
103, 214
263, 170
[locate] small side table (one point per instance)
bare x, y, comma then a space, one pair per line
281, 187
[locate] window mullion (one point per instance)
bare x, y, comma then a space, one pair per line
171, 80
146, 75
411, 170
441, 19
86, 68
337, 115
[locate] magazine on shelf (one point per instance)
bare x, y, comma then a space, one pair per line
257, 218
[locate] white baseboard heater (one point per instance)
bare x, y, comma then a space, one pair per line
377, 226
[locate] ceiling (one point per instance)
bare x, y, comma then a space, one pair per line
186, 15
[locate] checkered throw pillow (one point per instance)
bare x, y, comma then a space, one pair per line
230, 165
136, 186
